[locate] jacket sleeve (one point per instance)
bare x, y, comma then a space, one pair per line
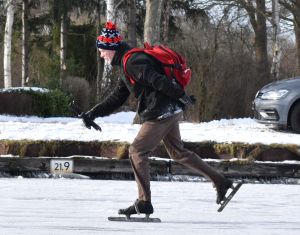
144, 70
116, 99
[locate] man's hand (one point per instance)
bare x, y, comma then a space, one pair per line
87, 118
186, 100
89, 121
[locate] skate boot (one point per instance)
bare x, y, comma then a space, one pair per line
222, 190
139, 207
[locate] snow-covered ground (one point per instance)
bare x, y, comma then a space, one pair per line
118, 127
64, 206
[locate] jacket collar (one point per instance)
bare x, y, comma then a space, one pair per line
124, 47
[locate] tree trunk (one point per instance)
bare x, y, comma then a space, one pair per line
7, 44
63, 45
276, 46
110, 10
99, 64
297, 37
110, 16
166, 19
296, 14
152, 21
25, 42
261, 52
132, 23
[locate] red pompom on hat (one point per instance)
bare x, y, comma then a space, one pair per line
110, 25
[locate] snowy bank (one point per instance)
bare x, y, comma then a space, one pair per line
119, 127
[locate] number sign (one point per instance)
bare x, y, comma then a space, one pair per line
59, 166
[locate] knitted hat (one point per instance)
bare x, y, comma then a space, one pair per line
110, 38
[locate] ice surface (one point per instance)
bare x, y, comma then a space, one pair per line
64, 206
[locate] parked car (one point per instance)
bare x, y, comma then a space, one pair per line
278, 103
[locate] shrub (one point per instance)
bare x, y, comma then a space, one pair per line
80, 91
51, 104
42, 102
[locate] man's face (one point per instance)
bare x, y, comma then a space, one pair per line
108, 55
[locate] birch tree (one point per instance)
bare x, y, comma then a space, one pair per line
110, 16
99, 70
7, 43
63, 45
24, 42
276, 46
63, 39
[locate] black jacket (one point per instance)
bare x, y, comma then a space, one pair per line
158, 95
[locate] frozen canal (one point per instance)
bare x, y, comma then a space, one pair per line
65, 206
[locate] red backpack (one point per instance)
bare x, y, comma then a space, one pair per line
174, 65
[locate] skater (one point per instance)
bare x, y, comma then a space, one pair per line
161, 102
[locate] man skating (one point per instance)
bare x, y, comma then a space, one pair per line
161, 102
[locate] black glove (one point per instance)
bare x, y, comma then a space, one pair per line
87, 118
186, 100
88, 121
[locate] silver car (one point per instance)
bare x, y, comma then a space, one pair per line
278, 103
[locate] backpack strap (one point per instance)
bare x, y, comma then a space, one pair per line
128, 54
126, 58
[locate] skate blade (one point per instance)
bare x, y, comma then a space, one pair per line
230, 196
134, 219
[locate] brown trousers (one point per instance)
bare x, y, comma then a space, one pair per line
149, 137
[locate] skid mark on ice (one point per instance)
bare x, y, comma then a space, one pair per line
54, 229
58, 199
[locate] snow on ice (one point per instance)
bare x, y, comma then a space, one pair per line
119, 127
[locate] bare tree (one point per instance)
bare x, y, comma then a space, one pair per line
63, 40
256, 12
131, 23
166, 18
257, 17
275, 41
24, 42
99, 64
293, 6
7, 42
111, 15
152, 21
107, 70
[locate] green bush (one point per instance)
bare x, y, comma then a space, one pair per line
44, 102
51, 104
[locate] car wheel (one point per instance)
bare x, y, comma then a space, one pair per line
295, 118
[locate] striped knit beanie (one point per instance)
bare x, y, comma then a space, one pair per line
110, 38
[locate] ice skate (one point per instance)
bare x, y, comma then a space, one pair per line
222, 199
222, 190
139, 207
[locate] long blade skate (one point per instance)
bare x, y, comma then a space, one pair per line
145, 219
230, 196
